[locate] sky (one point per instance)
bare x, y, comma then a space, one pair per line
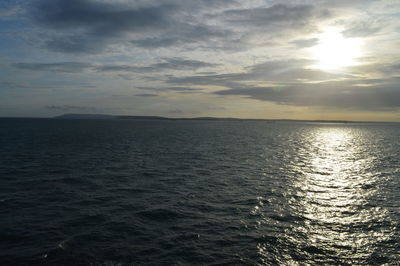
321, 59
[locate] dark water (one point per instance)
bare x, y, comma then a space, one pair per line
75, 192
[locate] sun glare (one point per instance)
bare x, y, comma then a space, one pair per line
335, 51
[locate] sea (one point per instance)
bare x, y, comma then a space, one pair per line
198, 192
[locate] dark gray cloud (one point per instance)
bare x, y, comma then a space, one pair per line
85, 26
10, 85
291, 86
329, 94
61, 67
277, 17
123, 68
185, 34
182, 64
176, 89
99, 18
146, 95
156, 42
88, 26
21, 84
76, 44
174, 63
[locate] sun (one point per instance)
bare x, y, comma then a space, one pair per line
335, 51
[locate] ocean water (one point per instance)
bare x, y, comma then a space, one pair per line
111, 192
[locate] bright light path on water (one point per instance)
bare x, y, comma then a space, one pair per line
334, 195
329, 192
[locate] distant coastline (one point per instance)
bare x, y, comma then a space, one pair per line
77, 116
132, 117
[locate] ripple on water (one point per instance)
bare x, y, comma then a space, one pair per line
198, 193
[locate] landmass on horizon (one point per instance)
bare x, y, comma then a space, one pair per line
143, 117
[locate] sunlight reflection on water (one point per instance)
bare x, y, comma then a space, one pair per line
334, 196
198, 193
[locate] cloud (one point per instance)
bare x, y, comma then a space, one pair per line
363, 29
146, 95
185, 34
41, 85
292, 83
175, 111
335, 94
203, 47
277, 17
270, 71
174, 63
10, 9
176, 89
99, 18
61, 67
88, 26
69, 108
304, 43
156, 42
76, 44
177, 63
84, 26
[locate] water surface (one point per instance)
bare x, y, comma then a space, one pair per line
93, 192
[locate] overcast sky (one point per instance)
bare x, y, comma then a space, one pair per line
187, 58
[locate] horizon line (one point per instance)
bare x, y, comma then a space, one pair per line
91, 116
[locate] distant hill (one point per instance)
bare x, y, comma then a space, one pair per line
102, 116
137, 117
133, 117
85, 116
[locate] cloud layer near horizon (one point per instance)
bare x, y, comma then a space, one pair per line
202, 57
